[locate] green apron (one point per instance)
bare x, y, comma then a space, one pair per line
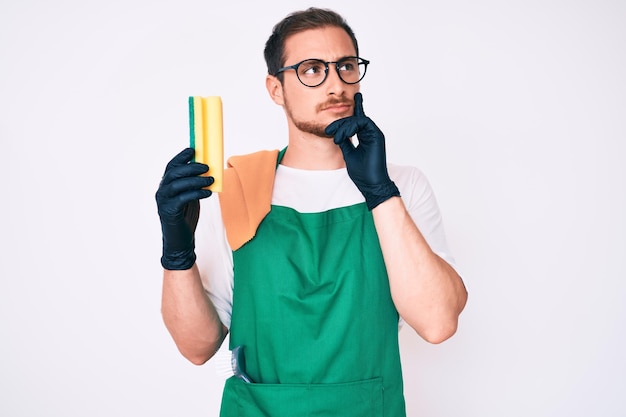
313, 310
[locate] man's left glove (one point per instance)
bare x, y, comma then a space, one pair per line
179, 207
367, 162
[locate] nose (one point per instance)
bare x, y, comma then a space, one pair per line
334, 84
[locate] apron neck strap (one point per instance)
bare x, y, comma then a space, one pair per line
280, 156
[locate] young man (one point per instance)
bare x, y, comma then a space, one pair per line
310, 256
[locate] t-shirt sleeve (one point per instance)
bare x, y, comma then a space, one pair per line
420, 200
214, 258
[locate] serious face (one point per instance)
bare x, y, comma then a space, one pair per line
311, 109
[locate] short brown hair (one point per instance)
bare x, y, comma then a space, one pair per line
311, 18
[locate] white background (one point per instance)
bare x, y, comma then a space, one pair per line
515, 110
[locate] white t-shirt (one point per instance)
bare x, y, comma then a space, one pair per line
309, 191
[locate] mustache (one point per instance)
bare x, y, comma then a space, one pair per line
335, 102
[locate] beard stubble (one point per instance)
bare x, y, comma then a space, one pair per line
314, 128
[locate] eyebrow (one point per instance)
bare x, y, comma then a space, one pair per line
324, 60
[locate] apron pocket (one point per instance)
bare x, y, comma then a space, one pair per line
352, 399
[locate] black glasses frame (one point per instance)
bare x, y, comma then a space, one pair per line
294, 67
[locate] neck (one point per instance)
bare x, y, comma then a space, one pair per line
312, 152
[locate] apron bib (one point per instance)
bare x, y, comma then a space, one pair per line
313, 310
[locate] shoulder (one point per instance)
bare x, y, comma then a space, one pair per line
411, 181
404, 172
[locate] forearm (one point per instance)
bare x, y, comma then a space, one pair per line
426, 290
190, 316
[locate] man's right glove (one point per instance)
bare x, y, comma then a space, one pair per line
178, 204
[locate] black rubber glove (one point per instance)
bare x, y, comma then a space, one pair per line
367, 162
178, 203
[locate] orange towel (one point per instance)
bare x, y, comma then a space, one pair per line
246, 197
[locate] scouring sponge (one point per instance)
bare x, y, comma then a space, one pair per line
207, 136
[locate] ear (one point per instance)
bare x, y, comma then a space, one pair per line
275, 89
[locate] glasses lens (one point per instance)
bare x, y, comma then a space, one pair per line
312, 72
351, 69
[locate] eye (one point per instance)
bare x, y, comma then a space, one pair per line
311, 68
348, 64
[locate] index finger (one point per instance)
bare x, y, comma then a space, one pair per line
358, 105
182, 158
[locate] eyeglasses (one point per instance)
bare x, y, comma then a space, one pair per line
313, 72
